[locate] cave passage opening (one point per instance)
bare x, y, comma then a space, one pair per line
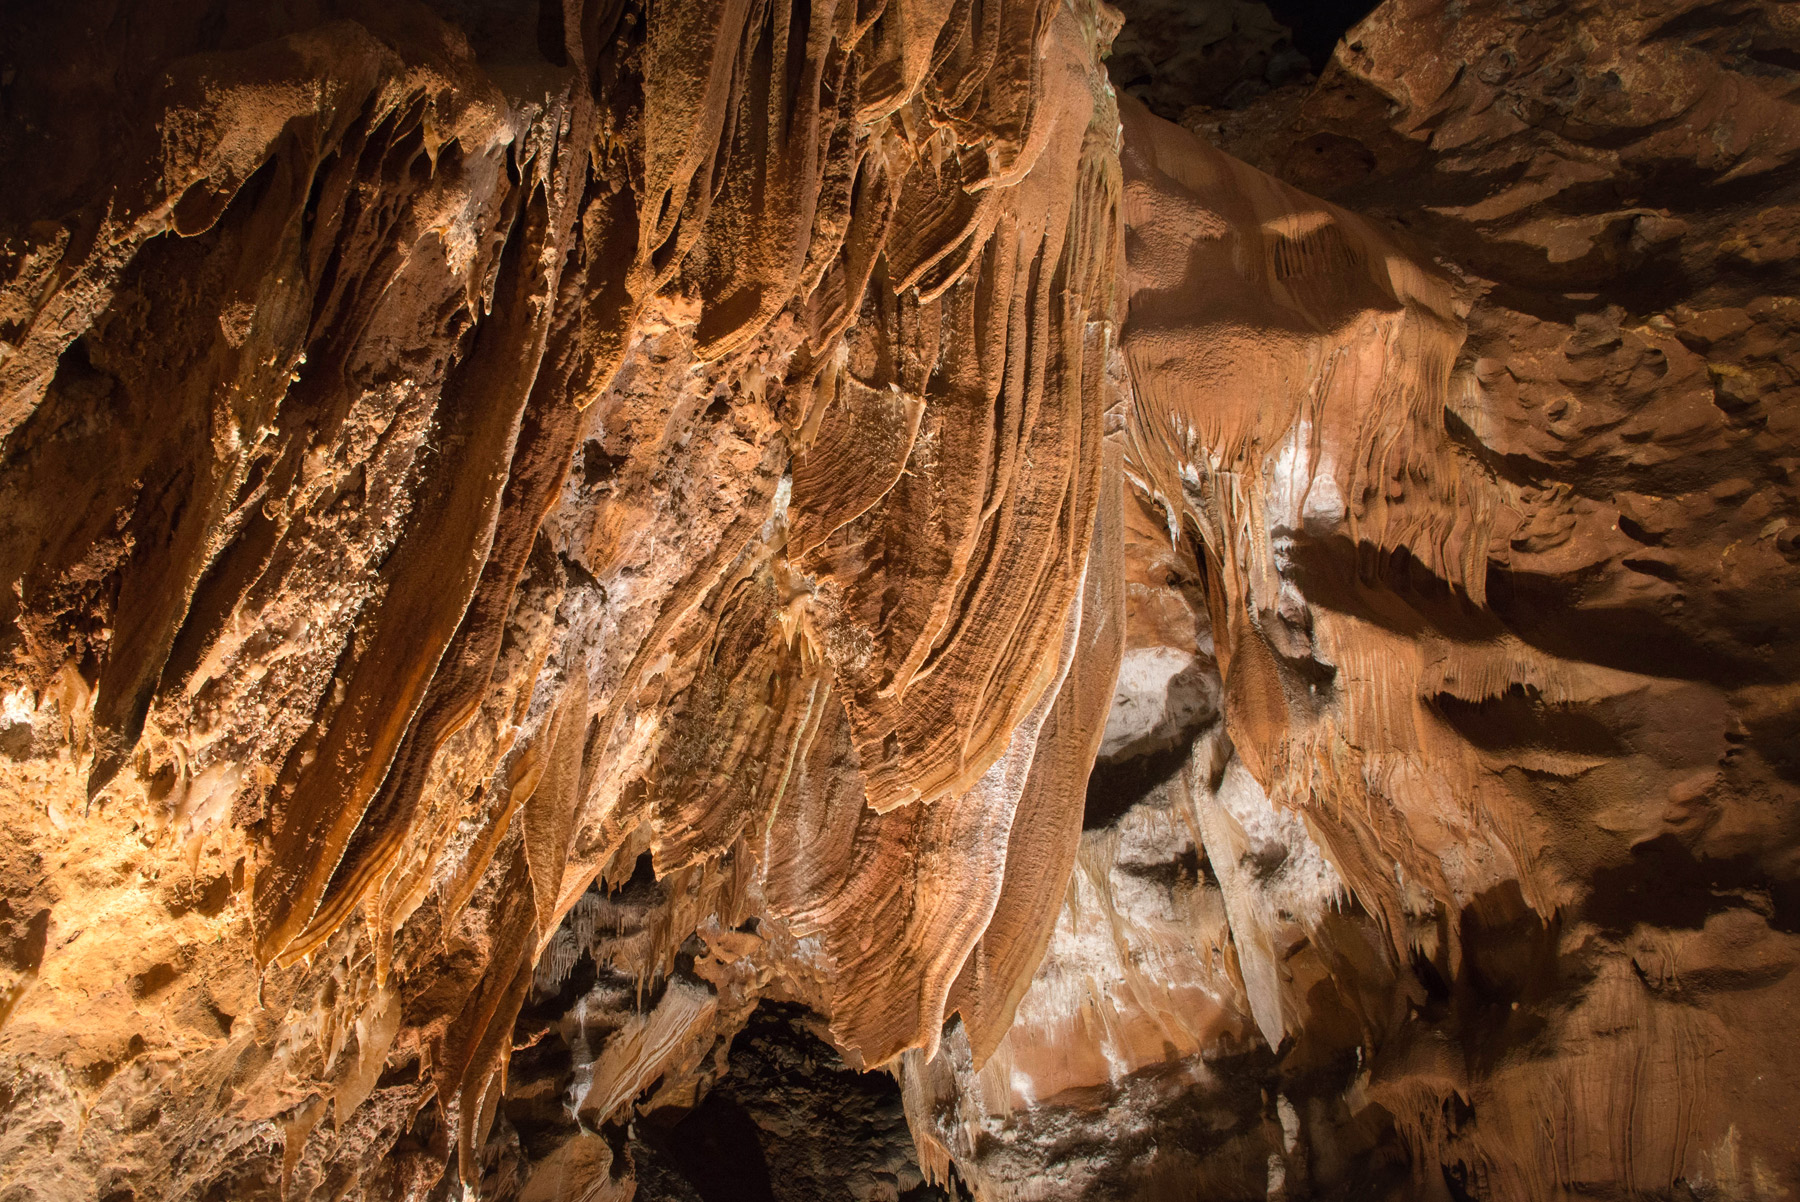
1175, 55
1317, 26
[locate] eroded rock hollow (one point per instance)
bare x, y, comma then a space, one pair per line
715, 599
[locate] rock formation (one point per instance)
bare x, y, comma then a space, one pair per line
726, 599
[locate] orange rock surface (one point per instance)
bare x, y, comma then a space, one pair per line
557, 556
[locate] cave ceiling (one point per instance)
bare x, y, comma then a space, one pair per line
712, 600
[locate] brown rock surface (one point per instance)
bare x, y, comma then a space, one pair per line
538, 538
406, 411
1485, 517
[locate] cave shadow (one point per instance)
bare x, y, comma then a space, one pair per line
1395, 591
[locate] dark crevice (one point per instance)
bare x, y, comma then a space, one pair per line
1319, 25
789, 1122
1114, 787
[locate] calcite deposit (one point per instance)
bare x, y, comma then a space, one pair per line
722, 599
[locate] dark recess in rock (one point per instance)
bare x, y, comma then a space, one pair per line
1318, 25
789, 1122
1177, 54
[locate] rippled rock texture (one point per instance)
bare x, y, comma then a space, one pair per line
454, 454
561, 558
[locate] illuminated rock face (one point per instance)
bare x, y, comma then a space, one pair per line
450, 456
1488, 822
535, 530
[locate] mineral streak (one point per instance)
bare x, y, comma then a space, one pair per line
540, 538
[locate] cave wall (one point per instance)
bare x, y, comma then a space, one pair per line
542, 537
451, 455
1471, 489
